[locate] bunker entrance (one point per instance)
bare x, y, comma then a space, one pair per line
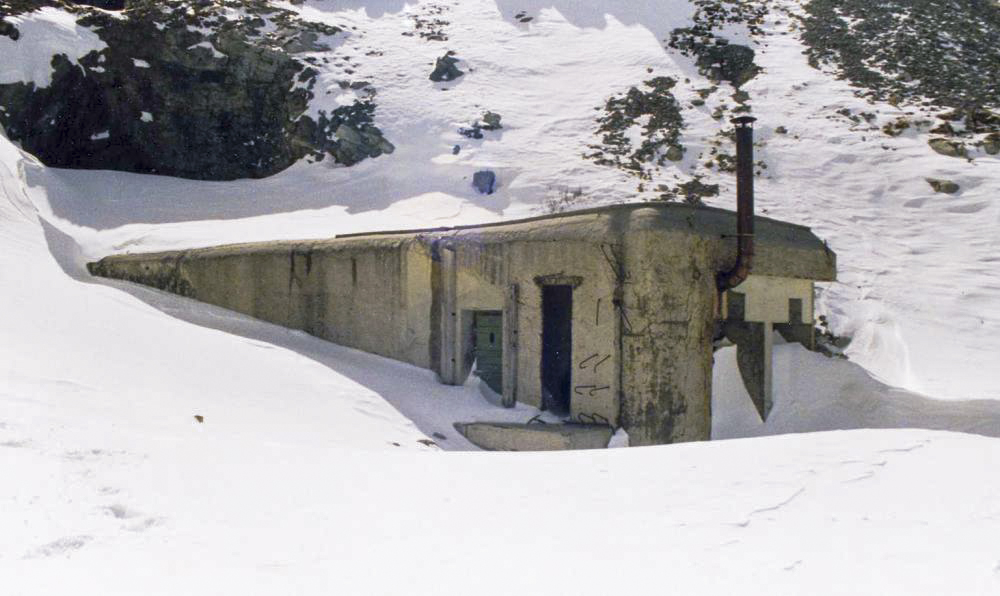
557, 343
488, 348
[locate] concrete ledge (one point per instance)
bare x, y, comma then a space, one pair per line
506, 436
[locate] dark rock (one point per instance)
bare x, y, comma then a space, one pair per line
473, 132
945, 186
484, 181
217, 118
910, 51
898, 126
9, 30
105, 4
715, 57
991, 144
654, 108
948, 147
446, 69
456, 149
491, 121
694, 190
675, 153
781, 130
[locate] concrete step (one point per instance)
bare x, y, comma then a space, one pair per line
509, 436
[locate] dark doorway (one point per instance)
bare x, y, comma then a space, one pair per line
488, 347
557, 345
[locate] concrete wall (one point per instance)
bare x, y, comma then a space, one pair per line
645, 307
670, 304
491, 269
373, 296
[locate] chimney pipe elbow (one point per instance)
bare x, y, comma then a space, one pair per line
744, 206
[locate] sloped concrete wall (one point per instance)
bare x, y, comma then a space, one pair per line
373, 296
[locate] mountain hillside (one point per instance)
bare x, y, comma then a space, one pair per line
151, 444
890, 155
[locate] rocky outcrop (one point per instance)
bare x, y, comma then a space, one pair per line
909, 51
715, 57
205, 90
446, 69
651, 107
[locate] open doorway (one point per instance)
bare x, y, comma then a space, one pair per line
557, 345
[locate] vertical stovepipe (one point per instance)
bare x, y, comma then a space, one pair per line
728, 280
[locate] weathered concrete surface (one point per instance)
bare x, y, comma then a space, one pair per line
373, 295
503, 436
644, 312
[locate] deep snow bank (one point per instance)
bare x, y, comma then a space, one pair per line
918, 278
815, 393
89, 352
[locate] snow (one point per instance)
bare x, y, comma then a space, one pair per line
918, 323
207, 45
45, 33
918, 278
140, 63
816, 393
104, 134
146, 117
319, 469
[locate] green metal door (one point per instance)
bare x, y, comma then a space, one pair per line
489, 349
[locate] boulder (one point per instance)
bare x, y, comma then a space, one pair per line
945, 186
446, 69
991, 144
484, 181
491, 121
948, 147
675, 153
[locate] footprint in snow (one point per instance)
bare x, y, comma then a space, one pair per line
144, 524
63, 546
125, 513
974, 208
121, 511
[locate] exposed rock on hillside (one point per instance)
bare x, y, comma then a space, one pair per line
446, 69
945, 186
945, 51
654, 114
207, 90
715, 56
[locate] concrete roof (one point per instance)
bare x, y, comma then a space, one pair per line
805, 255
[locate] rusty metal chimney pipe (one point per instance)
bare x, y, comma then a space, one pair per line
727, 280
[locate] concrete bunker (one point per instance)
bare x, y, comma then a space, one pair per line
607, 316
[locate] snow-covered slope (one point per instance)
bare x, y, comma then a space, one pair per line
918, 286
78, 350
312, 469
890, 512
